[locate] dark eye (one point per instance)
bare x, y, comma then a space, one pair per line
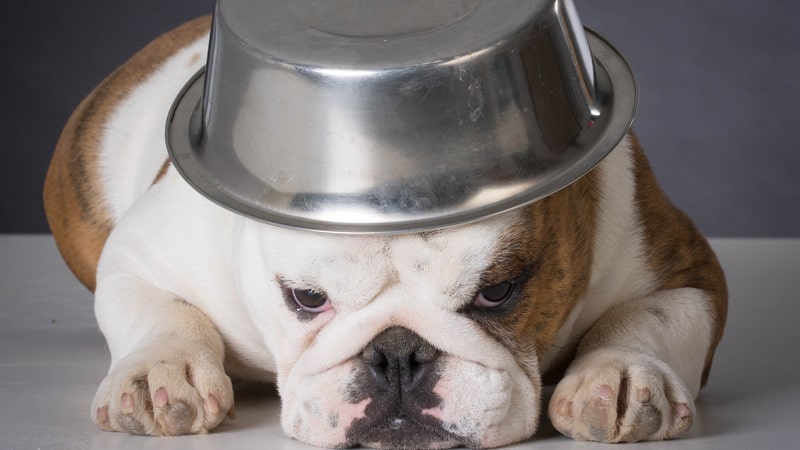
496, 295
310, 300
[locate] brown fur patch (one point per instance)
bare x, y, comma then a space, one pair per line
679, 255
73, 200
162, 171
554, 240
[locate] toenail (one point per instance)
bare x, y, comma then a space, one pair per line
102, 415
682, 411
127, 403
161, 398
643, 395
563, 408
605, 392
211, 405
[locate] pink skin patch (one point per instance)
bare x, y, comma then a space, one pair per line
320, 413
353, 413
475, 400
437, 412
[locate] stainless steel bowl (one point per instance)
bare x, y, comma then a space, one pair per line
384, 116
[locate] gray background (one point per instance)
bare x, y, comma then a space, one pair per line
718, 79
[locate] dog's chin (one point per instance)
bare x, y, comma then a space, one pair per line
404, 433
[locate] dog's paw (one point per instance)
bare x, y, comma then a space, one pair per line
167, 389
621, 397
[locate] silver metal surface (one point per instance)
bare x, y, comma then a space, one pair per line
367, 116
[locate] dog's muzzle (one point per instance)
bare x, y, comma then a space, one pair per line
399, 371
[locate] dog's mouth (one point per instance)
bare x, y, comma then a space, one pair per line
399, 431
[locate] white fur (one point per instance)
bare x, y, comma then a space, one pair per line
132, 143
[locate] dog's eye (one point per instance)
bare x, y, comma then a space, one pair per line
310, 300
496, 295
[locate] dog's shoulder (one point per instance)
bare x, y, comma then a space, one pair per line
636, 217
678, 254
641, 244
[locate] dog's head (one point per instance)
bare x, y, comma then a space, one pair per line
427, 340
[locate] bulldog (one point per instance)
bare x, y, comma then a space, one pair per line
419, 340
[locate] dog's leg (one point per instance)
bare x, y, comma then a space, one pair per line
637, 370
166, 375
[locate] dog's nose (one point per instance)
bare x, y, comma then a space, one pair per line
399, 358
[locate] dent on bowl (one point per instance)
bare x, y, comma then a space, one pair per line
375, 116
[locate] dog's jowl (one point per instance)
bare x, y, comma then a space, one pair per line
429, 339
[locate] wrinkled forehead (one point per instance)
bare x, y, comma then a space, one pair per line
324, 260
